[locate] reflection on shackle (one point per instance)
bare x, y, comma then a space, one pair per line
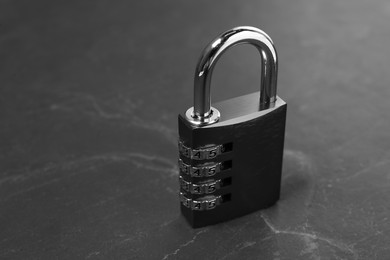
202, 112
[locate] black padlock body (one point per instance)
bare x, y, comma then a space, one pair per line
256, 140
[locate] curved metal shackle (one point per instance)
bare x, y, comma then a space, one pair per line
211, 54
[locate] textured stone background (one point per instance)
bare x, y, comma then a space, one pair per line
89, 97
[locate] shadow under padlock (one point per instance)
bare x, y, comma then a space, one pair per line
231, 154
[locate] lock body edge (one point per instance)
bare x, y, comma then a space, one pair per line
256, 139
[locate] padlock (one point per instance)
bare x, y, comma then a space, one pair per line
231, 154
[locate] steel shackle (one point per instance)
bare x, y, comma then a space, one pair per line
202, 113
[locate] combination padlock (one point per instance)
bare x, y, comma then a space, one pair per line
231, 154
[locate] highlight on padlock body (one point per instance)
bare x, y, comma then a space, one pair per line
231, 154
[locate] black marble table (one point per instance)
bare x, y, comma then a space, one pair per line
89, 97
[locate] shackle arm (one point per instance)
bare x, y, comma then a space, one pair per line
211, 54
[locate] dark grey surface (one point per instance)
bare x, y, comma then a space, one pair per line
89, 96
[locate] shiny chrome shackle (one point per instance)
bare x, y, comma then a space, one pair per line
202, 113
